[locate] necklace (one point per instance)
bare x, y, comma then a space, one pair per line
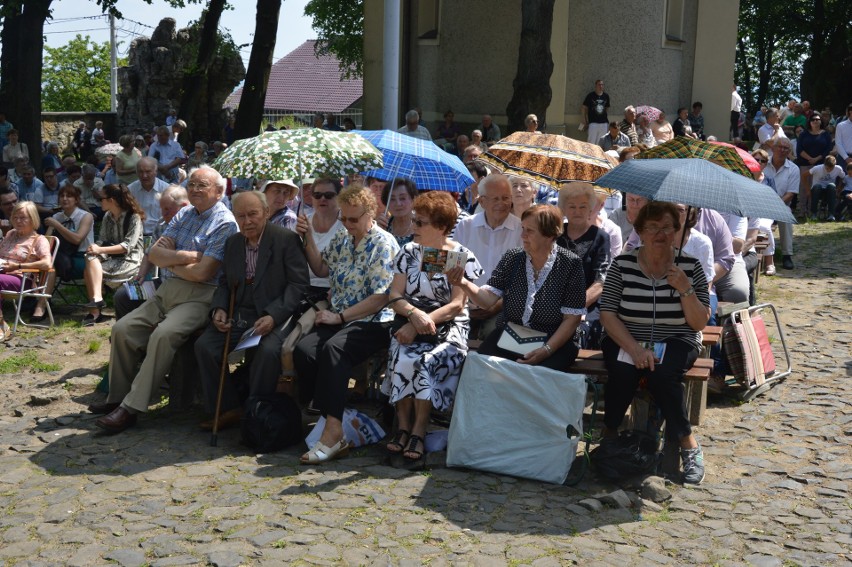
646, 267
407, 230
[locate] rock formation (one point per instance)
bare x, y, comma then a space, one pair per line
150, 83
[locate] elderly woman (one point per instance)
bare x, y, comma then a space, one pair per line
400, 203
476, 141
531, 124
424, 373
542, 288
662, 129
761, 224
22, 248
581, 236
655, 303
359, 265
523, 194
52, 159
278, 194
125, 160
198, 157
118, 252
644, 131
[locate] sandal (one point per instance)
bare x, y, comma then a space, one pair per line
320, 453
396, 444
413, 442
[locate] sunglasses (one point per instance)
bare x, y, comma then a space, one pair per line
352, 220
328, 195
761, 160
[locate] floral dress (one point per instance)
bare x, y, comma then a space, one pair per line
423, 370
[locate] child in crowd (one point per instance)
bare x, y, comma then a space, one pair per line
824, 185
845, 194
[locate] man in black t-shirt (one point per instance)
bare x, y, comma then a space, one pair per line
594, 113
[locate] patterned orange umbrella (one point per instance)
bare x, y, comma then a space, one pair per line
548, 158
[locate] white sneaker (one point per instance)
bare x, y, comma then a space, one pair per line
770, 270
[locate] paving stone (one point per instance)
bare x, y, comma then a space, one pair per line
225, 558
126, 557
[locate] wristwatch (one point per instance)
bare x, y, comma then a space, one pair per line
688, 292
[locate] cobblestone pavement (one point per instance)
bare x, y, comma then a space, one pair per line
777, 490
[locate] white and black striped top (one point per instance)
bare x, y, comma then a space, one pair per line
651, 310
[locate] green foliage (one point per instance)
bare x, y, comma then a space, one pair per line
76, 76
340, 29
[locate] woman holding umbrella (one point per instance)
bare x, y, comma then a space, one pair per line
359, 266
654, 304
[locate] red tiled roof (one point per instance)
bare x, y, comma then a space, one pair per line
302, 81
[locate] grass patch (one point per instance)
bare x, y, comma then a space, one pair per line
94, 346
27, 361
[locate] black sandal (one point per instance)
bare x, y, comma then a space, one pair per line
413, 442
396, 441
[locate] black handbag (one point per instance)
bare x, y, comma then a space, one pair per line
442, 330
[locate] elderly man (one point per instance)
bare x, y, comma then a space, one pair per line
173, 199
786, 176
490, 234
28, 184
413, 128
614, 139
147, 191
843, 139
90, 186
462, 143
628, 125
266, 269
490, 131
594, 113
169, 155
46, 199
8, 200
771, 132
189, 255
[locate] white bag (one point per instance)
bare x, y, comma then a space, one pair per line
516, 419
358, 428
520, 340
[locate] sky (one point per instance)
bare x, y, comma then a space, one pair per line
71, 17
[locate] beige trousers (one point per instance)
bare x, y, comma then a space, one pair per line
152, 334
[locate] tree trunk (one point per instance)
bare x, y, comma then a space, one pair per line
250, 111
532, 92
20, 67
193, 81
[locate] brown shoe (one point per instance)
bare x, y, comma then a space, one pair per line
228, 419
103, 408
117, 421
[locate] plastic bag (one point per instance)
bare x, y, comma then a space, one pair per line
359, 429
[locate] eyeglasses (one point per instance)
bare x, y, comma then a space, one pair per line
784, 148
816, 119
197, 185
352, 220
654, 230
420, 222
328, 195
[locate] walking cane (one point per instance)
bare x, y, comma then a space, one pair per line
224, 367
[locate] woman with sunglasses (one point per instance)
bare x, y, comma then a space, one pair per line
359, 265
812, 147
118, 252
427, 351
324, 223
654, 304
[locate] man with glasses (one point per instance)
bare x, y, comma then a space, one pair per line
786, 176
771, 132
594, 113
47, 198
189, 255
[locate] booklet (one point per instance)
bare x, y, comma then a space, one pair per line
437, 261
248, 340
140, 292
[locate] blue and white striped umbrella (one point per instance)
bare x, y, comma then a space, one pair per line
698, 183
430, 167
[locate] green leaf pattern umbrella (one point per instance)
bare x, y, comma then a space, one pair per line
295, 154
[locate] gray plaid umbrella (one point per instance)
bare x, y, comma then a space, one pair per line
698, 183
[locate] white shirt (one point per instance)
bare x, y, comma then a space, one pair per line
738, 227
821, 175
700, 247
767, 131
150, 202
420, 132
843, 139
786, 178
322, 239
736, 101
615, 238
488, 244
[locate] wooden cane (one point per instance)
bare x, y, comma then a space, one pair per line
213, 437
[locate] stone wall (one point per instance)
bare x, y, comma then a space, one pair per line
60, 126
151, 82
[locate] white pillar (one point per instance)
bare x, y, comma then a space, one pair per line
390, 67
113, 67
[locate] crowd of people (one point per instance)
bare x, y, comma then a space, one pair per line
569, 266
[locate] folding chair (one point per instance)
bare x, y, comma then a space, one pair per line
34, 284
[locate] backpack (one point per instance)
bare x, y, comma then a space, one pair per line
271, 422
632, 453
